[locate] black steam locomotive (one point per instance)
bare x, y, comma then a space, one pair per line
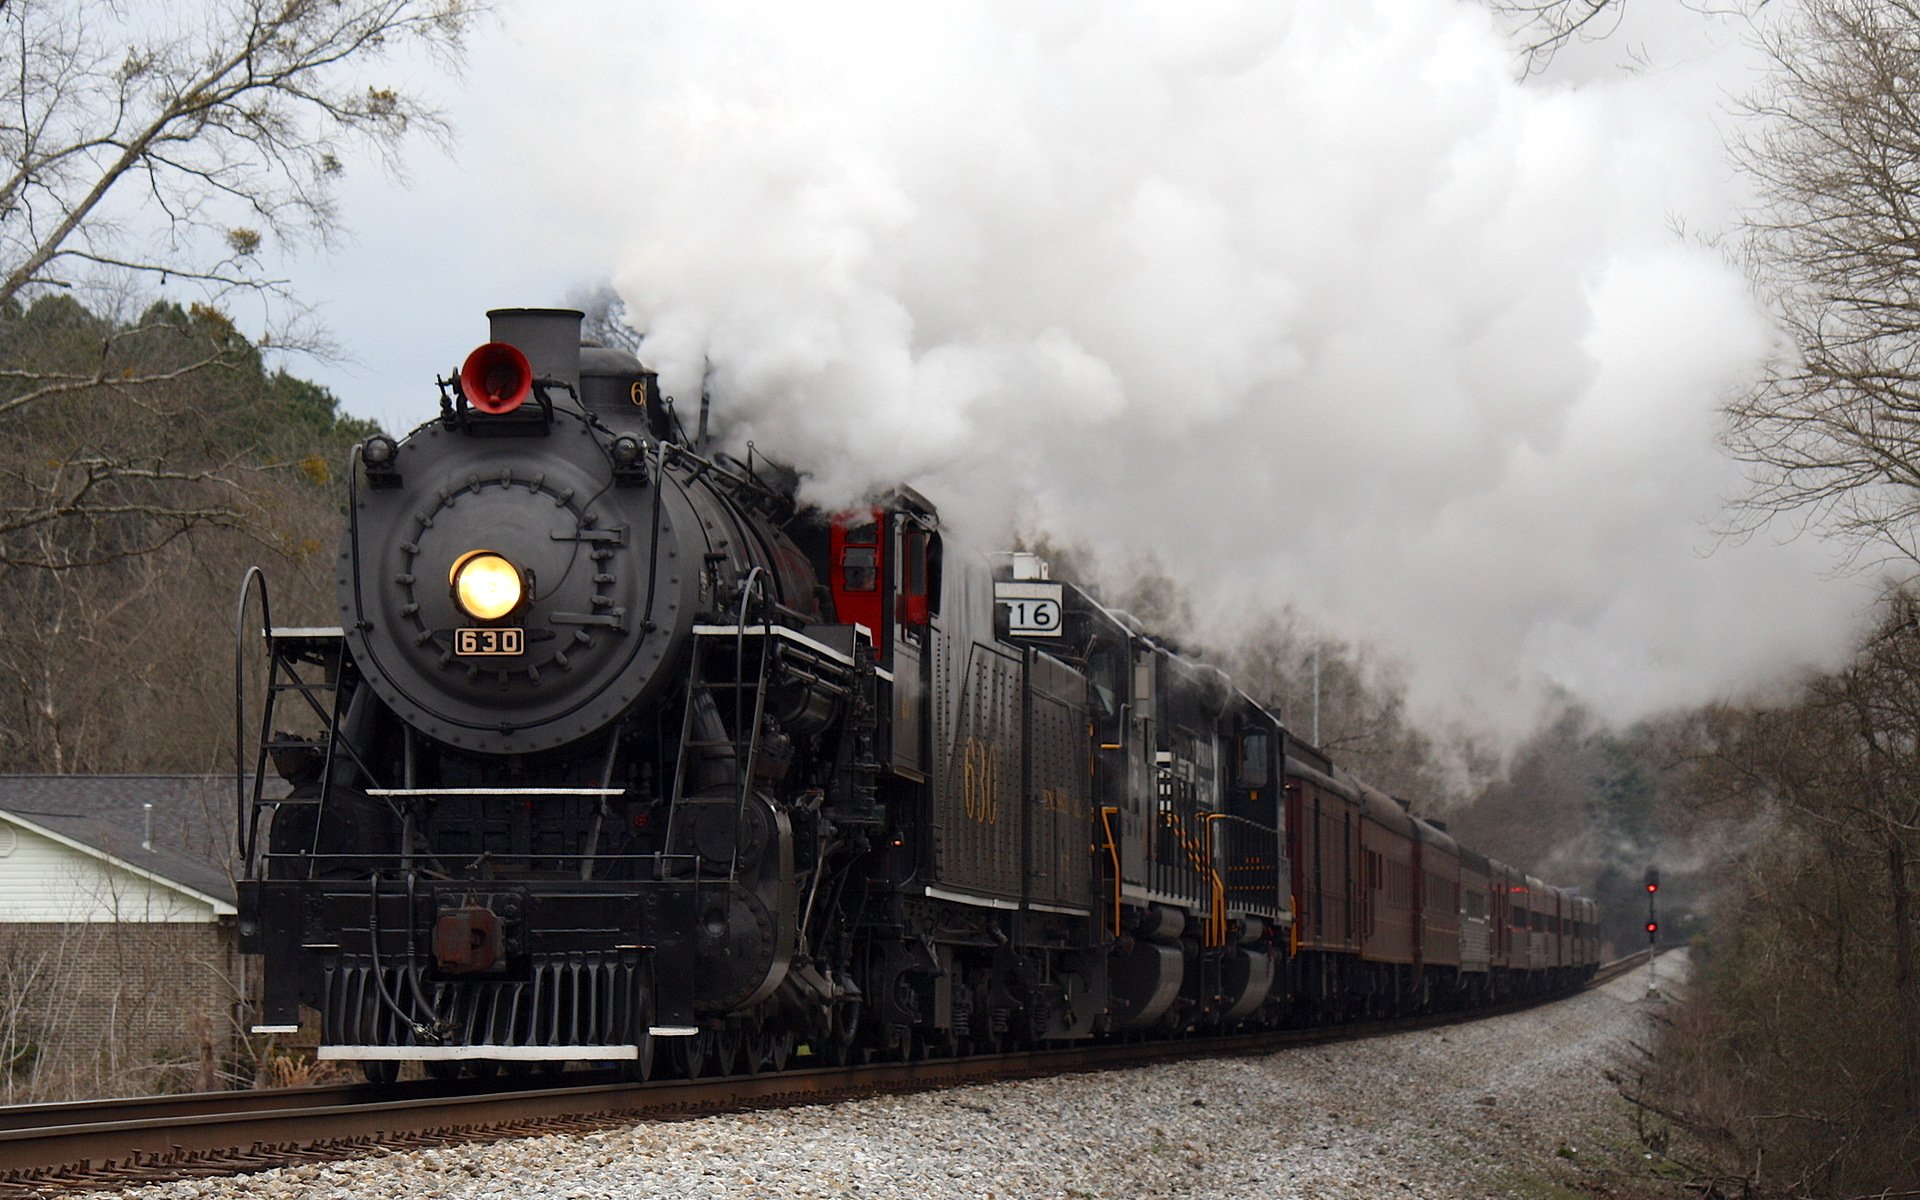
615, 748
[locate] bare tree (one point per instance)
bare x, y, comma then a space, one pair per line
108, 471
117, 667
1832, 433
1542, 27
607, 319
153, 143
1801, 1062
148, 147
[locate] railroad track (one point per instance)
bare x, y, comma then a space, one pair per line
49, 1148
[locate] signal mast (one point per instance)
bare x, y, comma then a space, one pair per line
1653, 928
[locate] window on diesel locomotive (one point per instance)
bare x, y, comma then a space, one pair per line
1250, 770
1105, 668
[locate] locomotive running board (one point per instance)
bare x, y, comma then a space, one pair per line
497, 791
940, 893
789, 634
452, 1053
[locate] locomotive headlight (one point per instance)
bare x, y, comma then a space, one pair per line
485, 585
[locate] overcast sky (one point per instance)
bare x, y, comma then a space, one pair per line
1310, 305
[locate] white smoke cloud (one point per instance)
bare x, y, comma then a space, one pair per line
1313, 304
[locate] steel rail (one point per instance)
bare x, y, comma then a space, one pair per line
52, 1147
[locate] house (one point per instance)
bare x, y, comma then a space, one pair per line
119, 971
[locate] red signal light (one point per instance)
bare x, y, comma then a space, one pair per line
496, 378
1653, 887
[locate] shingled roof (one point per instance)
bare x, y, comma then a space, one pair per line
186, 837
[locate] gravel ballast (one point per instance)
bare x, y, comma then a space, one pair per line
1511, 1106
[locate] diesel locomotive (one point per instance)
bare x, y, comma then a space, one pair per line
618, 753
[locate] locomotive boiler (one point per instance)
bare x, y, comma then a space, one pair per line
617, 749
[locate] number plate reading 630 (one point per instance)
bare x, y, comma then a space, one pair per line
489, 643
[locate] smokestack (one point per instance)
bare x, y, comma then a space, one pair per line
549, 337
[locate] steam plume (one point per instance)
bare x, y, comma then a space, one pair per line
1307, 304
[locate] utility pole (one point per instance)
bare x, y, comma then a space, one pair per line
1316, 696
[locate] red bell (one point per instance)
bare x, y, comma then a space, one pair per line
496, 378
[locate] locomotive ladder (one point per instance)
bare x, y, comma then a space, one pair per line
700, 686
781, 647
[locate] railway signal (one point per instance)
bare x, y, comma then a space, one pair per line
1653, 919
1653, 928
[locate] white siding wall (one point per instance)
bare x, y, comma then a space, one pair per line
42, 880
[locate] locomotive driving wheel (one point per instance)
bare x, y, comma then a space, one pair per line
756, 1046
694, 1056
639, 1069
727, 1047
779, 1049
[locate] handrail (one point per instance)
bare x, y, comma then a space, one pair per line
562, 865
758, 575
1217, 920
1198, 853
1249, 860
1113, 852
242, 833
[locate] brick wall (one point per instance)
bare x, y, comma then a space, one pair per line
114, 1009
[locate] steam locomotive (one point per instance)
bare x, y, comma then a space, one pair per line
619, 754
